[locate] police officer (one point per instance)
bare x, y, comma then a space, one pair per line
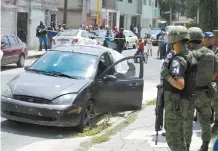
178, 84
215, 100
208, 36
207, 67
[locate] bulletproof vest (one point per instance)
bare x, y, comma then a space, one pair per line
205, 69
190, 78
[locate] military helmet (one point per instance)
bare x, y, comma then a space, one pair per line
196, 33
177, 33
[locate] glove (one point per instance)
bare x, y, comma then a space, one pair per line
165, 73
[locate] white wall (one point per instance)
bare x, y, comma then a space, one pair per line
37, 15
8, 20
124, 6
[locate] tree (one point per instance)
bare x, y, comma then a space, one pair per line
208, 9
191, 8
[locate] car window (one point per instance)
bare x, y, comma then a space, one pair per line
12, 40
127, 69
126, 33
103, 64
5, 41
83, 34
20, 41
73, 64
15, 38
68, 33
132, 34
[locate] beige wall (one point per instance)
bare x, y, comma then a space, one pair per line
73, 19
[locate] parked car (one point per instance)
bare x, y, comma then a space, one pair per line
101, 37
69, 37
14, 50
153, 33
63, 87
93, 37
131, 39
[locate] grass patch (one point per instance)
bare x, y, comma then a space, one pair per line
104, 124
106, 136
152, 102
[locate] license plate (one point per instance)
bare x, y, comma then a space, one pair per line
63, 42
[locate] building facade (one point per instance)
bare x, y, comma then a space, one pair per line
21, 18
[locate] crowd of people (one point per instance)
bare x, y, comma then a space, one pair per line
189, 76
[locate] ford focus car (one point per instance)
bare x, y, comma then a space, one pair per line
69, 86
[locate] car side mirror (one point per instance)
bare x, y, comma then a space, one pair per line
26, 67
110, 78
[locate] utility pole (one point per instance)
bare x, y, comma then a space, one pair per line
171, 15
84, 14
65, 12
198, 11
98, 12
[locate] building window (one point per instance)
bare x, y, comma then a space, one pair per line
103, 4
145, 2
129, 1
149, 2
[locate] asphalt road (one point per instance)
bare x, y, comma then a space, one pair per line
15, 135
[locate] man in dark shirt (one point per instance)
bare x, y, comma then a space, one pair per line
41, 33
120, 40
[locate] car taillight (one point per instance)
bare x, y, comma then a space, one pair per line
75, 41
53, 42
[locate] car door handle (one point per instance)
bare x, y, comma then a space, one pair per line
133, 84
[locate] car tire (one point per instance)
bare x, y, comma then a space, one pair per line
21, 61
88, 116
134, 46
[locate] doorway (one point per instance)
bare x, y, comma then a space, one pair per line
22, 18
121, 21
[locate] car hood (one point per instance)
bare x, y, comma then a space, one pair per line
43, 86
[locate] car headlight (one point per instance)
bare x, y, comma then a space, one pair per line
7, 92
64, 99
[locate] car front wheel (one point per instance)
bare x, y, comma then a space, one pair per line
21, 61
88, 116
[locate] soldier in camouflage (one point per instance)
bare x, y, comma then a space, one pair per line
201, 99
215, 100
178, 80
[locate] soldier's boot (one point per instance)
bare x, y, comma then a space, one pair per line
215, 126
195, 118
164, 134
187, 147
204, 146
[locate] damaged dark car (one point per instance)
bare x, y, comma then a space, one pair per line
69, 86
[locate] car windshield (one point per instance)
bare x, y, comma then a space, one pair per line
154, 32
68, 33
74, 65
125, 33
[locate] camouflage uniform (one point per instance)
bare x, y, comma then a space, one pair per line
215, 101
176, 104
207, 66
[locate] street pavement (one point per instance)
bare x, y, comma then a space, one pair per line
136, 137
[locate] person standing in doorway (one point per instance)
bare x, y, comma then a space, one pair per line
41, 33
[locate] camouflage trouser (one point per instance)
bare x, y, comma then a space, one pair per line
202, 103
176, 110
215, 105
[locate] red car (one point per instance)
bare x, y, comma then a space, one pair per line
14, 50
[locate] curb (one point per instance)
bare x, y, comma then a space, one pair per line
34, 56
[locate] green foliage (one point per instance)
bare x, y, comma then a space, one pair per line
192, 24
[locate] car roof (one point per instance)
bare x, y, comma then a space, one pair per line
96, 50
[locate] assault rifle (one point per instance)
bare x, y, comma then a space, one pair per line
159, 110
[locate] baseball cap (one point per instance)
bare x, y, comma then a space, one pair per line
208, 35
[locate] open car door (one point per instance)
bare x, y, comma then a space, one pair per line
120, 86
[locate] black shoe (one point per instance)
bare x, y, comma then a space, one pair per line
164, 134
204, 146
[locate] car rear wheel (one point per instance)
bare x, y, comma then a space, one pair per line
88, 117
134, 46
21, 61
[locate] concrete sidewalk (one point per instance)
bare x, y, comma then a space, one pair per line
35, 53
